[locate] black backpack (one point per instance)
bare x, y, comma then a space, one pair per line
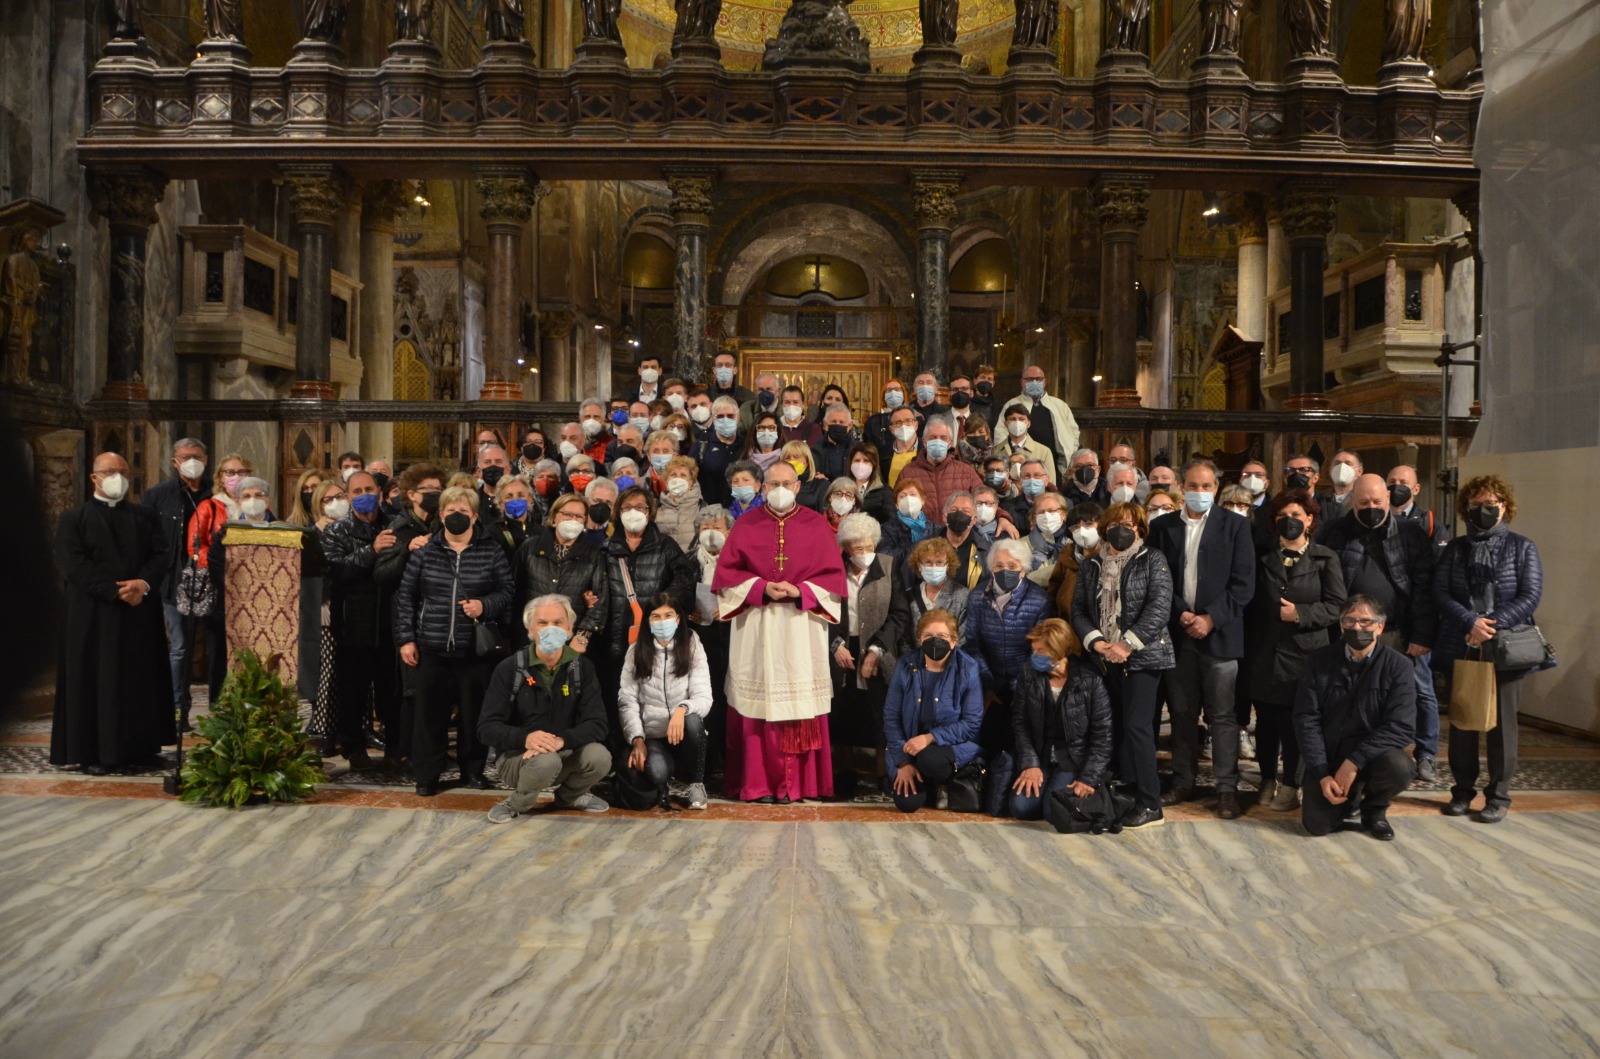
1097, 813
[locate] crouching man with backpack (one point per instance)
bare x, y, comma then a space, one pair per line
544, 713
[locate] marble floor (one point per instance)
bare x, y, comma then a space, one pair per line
139, 927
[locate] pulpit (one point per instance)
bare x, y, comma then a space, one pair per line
272, 598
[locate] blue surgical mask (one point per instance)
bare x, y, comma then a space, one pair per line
744, 493
766, 438
641, 424
552, 638
1032, 486
1007, 580
1034, 388
1199, 503
934, 575
726, 427
664, 630
724, 377
516, 507
624, 481
620, 416
893, 398
926, 393
365, 504
938, 449
1042, 663
659, 461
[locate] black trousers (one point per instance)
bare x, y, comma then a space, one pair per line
362, 675
1502, 748
1136, 702
1274, 732
1375, 787
443, 682
714, 638
937, 764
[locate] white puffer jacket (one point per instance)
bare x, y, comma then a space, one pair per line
645, 707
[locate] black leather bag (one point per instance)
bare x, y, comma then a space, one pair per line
1519, 647
488, 641
1099, 813
964, 792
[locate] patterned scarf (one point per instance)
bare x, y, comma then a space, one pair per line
1111, 567
1481, 567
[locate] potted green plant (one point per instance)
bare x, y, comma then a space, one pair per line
254, 748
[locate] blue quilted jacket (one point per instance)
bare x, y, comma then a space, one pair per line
999, 641
1518, 584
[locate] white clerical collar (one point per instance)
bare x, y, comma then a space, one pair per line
106, 500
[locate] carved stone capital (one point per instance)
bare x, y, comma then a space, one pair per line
128, 196
557, 323
382, 201
691, 195
1248, 214
507, 198
1122, 203
318, 196
1309, 212
933, 195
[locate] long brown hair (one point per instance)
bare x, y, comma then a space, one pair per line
644, 652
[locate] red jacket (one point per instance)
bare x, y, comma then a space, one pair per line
938, 483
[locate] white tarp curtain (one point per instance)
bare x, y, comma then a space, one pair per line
1538, 146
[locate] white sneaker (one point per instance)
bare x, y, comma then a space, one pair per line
1269, 788
1247, 746
1286, 800
697, 796
942, 799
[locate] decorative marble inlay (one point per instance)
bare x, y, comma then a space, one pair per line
458, 111
267, 110
750, 112
1172, 121
117, 106
1266, 123
883, 115
309, 103
364, 110
172, 112
1222, 117
983, 118
214, 106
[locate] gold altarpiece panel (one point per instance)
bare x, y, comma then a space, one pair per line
862, 374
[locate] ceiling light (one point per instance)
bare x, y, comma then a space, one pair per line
1213, 205
599, 327
1039, 330
1094, 378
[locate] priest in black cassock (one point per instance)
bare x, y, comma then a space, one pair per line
114, 689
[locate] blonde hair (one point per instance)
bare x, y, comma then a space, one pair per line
562, 501
684, 463
299, 514
1054, 636
455, 493
460, 480
799, 450
319, 496
216, 476
934, 550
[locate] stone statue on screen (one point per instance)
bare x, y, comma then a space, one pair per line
1307, 22
938, 22
413, 19
224, 20
503, 20
324, 19
1405, 29
697, 20
1219, 26
1127, 22
19, 304
125, 19
600, 20
1035, 25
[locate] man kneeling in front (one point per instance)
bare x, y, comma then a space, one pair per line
1354, 713
543, 712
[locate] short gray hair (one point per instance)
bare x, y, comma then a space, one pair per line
1020, 550
587, 401
598, 484
1373, 607
938, 421
843, 485
580, 459
188, 443
859, 527
546, 464
959, 494
724, 404
254, 483
711, 513
554, 599
1081, 453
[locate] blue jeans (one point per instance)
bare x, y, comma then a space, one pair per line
1427, 733
1024, 807
180, 648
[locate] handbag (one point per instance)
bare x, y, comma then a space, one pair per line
487, 640
1474, 696
196, 595
964, 792
1101, 812
1519, 647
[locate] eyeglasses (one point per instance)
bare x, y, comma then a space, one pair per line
1359, 623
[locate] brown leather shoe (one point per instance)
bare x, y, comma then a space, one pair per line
1228, 805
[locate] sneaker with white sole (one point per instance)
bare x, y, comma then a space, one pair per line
589, 803
1247, 746
697, 796
1269, 788
1286, 800
503, 813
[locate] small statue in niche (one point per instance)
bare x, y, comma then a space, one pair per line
1405, 30
939, 22
1127, 22
697, 20
125, 19
503, 20
600, 20
324, 19
413, 19
1219, 26
19, 304
1307, 22
1035, 25
224, 20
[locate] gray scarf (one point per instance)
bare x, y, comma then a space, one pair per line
1111, 567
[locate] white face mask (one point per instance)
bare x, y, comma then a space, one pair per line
336, 508
348, 472
842, 505
905, 433
1122, 494
677, 486
1158, 512
254, 507
649, 376
792, 413
1017, 427
1342, 474
191, 469
985, 514
1085, 537
713, 540
700, 413
864, 560
1255, 483
676, 401
861, 470
910, 505
568, 450
634, 521
569, 530
1050, 522
114, 486
781, 498
591, 427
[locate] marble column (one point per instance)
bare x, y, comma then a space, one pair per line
127, 199
318, 195
1308, 215
1463, 380
933, 195
381, 202
691, 227
1122, 201
508, 197
1251, 220
555, 359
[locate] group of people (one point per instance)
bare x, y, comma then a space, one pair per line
691, 579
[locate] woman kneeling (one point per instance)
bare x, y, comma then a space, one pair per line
932, 714
1061, 723
663, 702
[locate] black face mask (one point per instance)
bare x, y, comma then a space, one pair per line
1007, 579
765, 398
383, 483
628, 452
305, 497
935, 649
838, 434
1399, 496
958, 522
457, 522
1120, 537
1483, 517
600, 512
491, 476
1298, 480
984, 388
532, 452
960, 399
1357, 639
1291, 528
1085, 474
1371, 517
430, 503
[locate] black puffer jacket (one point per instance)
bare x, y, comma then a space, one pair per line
359, 605
1408, 555
1084, 712
1276, 650
658, 565
584, 569
438, 578
390, 568
1146, 607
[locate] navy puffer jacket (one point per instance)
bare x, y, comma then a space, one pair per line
437, 579
1000, 641
1518, 584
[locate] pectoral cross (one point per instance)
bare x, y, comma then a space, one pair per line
817, 263
781, 557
